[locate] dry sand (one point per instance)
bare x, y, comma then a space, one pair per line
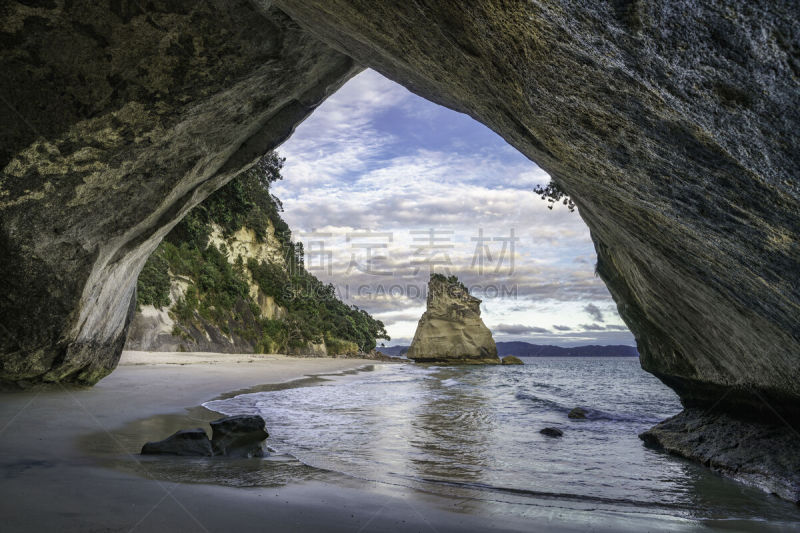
52, 481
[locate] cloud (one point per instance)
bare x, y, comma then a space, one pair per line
517, 329
592, 327
375, 157
594, 312
616, 327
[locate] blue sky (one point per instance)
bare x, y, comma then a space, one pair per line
382, 187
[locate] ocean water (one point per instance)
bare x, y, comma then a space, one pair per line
473, 433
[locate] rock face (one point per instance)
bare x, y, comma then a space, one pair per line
451, 329
766, 456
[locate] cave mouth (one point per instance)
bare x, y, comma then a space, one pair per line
383, 187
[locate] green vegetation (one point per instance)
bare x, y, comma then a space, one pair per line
553, 194
153, 285
218, 290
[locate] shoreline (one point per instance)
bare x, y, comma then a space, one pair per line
55, 445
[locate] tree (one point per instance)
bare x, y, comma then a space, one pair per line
553, 193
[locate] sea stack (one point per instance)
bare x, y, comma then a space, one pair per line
451, 330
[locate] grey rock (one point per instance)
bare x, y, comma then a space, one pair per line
764, 455
552, 432
578, 413
192, 442
239, 436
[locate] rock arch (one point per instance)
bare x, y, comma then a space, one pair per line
671, 124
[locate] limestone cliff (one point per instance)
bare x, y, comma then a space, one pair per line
451, 329
158, 329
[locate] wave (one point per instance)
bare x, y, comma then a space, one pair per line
591, 414
546, 495
544, 402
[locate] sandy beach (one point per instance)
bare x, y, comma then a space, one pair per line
55, 445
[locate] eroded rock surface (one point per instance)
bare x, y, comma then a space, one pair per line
766, 456
114, 122
451, 329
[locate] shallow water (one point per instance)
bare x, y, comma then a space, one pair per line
473, 433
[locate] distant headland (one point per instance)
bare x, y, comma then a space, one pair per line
527, 349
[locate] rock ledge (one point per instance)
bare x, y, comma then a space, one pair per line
764, 455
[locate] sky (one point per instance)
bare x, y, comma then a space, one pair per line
383, 187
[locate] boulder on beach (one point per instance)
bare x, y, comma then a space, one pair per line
232, 436
239, 436
578, 413
184, 442
552, 432
511, 360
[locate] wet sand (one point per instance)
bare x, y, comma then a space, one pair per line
55, 445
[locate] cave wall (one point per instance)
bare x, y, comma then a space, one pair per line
673, 125
114, 123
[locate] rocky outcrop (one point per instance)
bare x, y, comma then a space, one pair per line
451, 329
764, 455
511, 360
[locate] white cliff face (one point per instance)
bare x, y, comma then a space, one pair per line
451, 329
244, 244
